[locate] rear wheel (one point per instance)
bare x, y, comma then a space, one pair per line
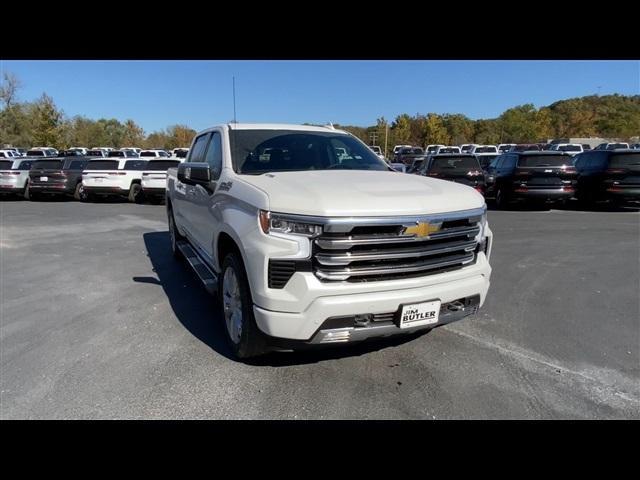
135, 193
27, 194
501, 199
79, 193
245, 339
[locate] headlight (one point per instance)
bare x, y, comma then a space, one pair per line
274, 223
483, 227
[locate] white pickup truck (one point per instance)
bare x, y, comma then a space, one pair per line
113, 177
307, 247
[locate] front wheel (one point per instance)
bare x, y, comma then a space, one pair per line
174, 235
245, 339
501, 199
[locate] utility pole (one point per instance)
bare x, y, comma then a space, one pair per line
386, 134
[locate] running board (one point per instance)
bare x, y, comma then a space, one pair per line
208, 278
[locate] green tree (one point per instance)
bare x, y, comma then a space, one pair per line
435, 131
47, 120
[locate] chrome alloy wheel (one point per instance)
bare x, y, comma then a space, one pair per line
232, 304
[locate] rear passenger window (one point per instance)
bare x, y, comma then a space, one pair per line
214, 155
510, 161
196, 154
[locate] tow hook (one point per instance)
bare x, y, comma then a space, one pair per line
455, 306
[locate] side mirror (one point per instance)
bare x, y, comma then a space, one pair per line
195, 174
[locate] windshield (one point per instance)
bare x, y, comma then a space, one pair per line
136, 165
625, 160
454, 164
161, 165
449, 150
116, 154
95, 153
102, 165
613, 146
544, 160
485, 150
418, 151
182, 153
466, 148
6, 164
260, 151
35, 153
48, 164
148, 154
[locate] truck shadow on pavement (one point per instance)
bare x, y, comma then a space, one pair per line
199, 312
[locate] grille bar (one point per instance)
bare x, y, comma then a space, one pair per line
344, 273
348, 242
396, 253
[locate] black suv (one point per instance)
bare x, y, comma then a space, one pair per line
408, 155
534, 176
457, 167
608, 175
57, 176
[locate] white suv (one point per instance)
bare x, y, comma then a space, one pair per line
14, 176
113, 177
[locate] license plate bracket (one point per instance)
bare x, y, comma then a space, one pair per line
419, 314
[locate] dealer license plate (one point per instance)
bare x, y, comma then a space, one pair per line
418, 314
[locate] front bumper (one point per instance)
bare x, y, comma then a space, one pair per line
307, 325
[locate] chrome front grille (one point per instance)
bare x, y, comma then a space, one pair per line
387, 248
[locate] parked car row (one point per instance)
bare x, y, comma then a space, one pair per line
87, 178
92, 152
541, 176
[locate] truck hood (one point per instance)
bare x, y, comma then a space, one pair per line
362, 193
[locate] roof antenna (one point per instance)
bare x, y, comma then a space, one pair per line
234, 100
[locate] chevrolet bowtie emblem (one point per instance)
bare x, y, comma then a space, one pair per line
422, 229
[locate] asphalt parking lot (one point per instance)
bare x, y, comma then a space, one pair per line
99, 321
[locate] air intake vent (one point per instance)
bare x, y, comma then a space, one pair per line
280, 271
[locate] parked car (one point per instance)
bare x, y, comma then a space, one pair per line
612, 175
155, 153
461, 168
57, 176
432, 148
612, 146
377, 150
5, 153
484, 149
466, 147
42, 152
82, 150
571, 148
14, 176
408, 155
447, 149
154, 178
97, 152
531, 176
122, 154
304, 248
70, 153
505, 147
635, 146
398, 147
525, 147
119, 177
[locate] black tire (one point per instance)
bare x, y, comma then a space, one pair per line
32, 196
135, 193
251, 341
27, 194
174, 235
78, 193
501, 199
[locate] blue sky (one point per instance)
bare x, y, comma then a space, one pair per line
157, 94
